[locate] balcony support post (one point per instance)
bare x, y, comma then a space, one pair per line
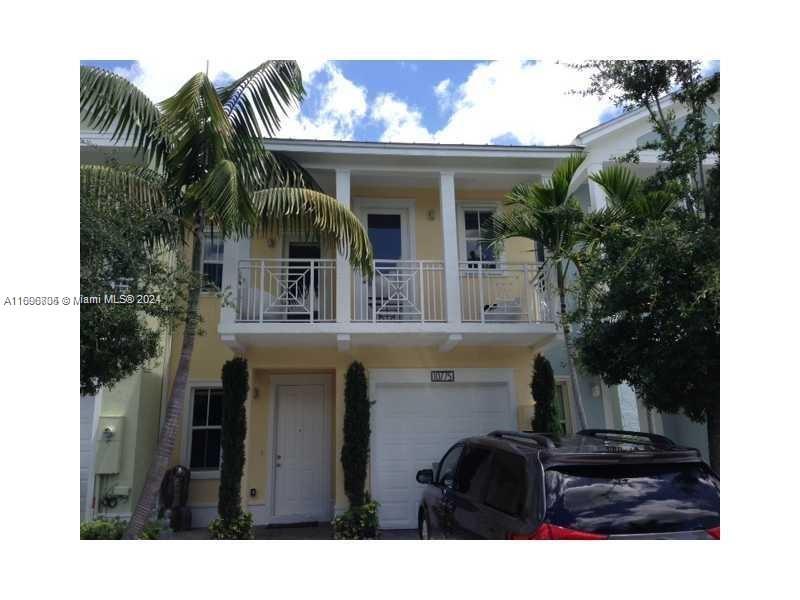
234, 251
447, 207
343, 270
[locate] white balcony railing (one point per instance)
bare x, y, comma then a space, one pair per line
400, 290
504, 293
286, 289
304, 290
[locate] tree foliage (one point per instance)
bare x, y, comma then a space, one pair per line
355, 450
121, 257
207, 164
648, 311
550, 214
232, 440
543, 390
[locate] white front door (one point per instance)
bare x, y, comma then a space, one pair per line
302, 454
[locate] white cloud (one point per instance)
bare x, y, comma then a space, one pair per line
401, 122
342, 105
524, 99
442, 92
527, 100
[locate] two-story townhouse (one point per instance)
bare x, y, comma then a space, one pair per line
446, 327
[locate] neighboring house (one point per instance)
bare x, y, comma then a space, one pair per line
446, 329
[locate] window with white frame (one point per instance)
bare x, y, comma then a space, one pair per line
476, 229
205, 429
213, 247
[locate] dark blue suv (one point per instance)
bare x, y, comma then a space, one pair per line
597, 484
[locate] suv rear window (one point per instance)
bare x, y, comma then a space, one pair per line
624, 499
507, 484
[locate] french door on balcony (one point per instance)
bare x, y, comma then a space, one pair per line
302, 281
392, 293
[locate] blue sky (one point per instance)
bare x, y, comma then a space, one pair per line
479, 102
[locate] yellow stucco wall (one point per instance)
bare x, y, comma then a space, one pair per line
210, 353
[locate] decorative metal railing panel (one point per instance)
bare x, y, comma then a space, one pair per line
286, 289
504, 293
400, 290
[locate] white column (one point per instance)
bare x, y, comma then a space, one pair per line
447, 207
597, 197
343, 269
234, 251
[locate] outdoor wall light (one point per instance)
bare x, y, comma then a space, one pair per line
108, 433
431, 215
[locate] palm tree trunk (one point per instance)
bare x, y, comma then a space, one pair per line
573, 372
712, 424
169, 430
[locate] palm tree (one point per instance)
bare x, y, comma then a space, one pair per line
204, 159
549, 214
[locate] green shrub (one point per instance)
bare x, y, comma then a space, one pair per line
238, 528
355, 450
543, 390
105, 528
234, 431
358, 523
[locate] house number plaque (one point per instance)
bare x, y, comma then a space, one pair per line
443, 376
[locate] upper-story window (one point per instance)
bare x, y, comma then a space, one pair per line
213, 247
476, 229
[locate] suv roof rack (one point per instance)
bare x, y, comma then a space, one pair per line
539, 438
653, 438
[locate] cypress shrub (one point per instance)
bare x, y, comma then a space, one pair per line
543, 390
234, 430
355, 451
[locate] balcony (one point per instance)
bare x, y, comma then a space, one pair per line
295, 291
286, 290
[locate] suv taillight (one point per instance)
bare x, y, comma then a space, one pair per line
714, 532
546, 531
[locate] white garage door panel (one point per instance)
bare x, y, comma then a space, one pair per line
415, 424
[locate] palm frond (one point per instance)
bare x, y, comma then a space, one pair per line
256, 101
621, 185
563, 177
139, 186
302, 210
202, 135
226, 204
111, 102
133, 188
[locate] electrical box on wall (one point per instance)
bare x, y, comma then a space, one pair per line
108, 445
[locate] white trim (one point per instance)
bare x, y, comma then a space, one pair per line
327, 382
187, 425
407, 209
447, 208
344, 272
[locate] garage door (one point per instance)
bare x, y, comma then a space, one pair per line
414, 425
87, 447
